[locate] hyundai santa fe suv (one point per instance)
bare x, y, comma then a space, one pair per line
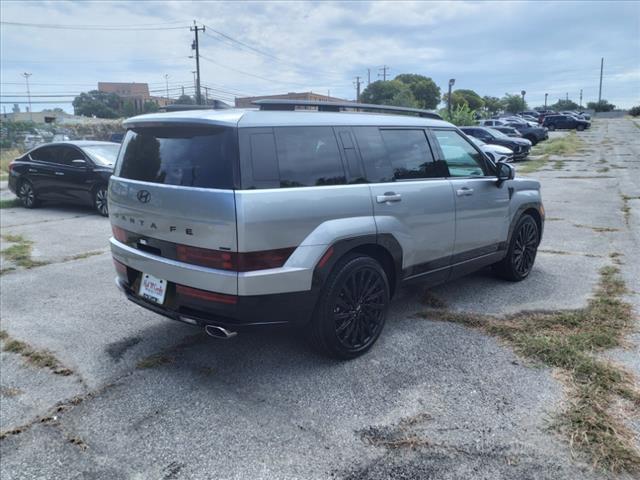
226, 219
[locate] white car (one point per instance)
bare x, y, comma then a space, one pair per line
497, 153
492, 122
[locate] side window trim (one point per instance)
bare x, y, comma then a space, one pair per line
351, 178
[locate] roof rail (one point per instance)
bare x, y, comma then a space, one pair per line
272, 104
177, 107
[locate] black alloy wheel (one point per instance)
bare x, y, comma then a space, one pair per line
551, 127
100, 201
27, 194
352, 308
521, 255
580, 127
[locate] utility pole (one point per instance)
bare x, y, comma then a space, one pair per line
206, 95
357, 83
166, 79
196, 47
368, 77
183, 90
545, 100
601, 70
451, 84
567, 96
26, 76
580, 98
384, 69
195, 82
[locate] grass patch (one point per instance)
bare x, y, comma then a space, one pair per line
37, 358
83, 255
597, 229
567, 145
603, 170
20, 253
6, 156
558, 165
626, 208
10, 203
533, 165
154, 361
568, 340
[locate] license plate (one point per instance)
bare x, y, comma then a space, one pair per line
153, 288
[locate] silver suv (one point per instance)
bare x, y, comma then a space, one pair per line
230, 218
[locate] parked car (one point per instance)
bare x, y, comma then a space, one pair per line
508, 131
70, 172
557, 122
496, 153
520, 146
225, 219
533, 134
492, 122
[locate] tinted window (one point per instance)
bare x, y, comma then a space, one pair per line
44, 154
65, 155
374, 154
101, 154
264, 162
188, 156
308, 156
410, 154
462, 159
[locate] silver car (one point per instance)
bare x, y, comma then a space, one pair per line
233, 218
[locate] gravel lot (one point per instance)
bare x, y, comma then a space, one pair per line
152, 398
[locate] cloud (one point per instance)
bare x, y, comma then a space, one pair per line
491, 47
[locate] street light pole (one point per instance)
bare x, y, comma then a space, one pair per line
545, 100
26, 76
523, 93
452, 82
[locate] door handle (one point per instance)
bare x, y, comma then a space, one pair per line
464, 192
60, 173
389, 197
33, 170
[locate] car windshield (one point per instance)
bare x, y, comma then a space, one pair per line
496, 133
104, 155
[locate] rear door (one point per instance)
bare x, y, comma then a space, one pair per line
411, 197
482, 207
174, 185
41, 171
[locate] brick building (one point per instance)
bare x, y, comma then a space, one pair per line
245, 102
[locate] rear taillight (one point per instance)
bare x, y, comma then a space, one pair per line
206, 296
205, 257
239, 262
119, 234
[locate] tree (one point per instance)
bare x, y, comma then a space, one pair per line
601, 106
393, 92
461, 115
634, 111
492, 104
128, 109
464, 97
150, 107
562, 105
185, 100
96, 103
513, 103
424, 89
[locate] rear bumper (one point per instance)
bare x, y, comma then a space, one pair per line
280, 309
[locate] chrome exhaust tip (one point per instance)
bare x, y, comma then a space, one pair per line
219, 332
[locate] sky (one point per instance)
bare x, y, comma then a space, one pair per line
259, 48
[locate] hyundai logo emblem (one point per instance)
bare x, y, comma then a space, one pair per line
144, 196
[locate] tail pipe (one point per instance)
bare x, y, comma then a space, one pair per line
216, 331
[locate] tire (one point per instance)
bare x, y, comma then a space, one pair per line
580, 128
551, 127
532, 139
352, 308
100, 200
27, 194
521, 254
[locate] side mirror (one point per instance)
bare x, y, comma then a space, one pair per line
78, 162
505, 172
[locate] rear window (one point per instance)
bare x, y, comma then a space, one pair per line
186, 156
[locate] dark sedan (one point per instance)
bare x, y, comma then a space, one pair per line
520, 146
553, 122
66, 172
533, 134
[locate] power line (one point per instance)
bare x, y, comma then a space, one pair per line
87, 27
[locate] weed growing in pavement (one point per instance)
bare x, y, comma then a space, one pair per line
154, 361
568, 340
20, 253
626, 208
38, 358
597, 229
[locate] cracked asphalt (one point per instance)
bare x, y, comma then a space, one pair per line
262, 406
